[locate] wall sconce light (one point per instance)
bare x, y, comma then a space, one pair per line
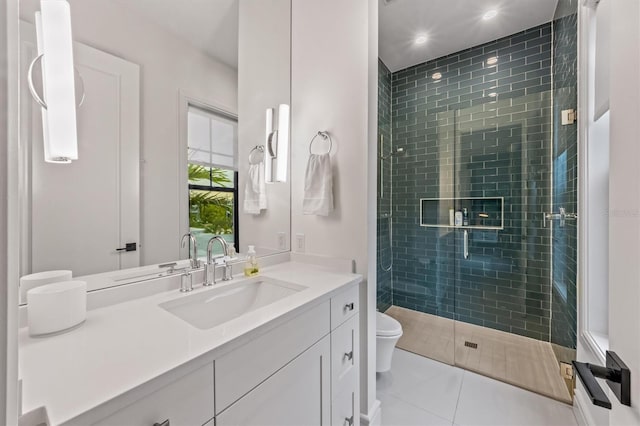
55, 55
277, 143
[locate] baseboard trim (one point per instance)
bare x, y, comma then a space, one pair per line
374, 417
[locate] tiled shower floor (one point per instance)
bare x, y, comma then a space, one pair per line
517, 360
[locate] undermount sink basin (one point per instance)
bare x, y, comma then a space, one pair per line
210, 308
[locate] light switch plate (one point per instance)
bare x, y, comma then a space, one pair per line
300, 243
282, 242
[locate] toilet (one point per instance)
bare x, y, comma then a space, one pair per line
388, 331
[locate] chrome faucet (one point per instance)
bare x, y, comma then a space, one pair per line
210, 266
193, 256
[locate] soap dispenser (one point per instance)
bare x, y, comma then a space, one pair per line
251, 267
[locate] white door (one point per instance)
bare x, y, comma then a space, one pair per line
81, 213
624, 199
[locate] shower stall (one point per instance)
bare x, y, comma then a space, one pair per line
477, 203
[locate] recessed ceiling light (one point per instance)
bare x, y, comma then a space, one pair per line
421, 39
492, 60
490, 14
436, 76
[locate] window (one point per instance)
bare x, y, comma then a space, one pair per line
213, 177
598, 227
594, 301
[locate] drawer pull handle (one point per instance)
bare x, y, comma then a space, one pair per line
165, 423
349, 420
349, 306
349, 355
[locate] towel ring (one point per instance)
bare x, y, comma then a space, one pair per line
257, 148
324, 135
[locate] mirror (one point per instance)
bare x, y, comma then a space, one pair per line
175, 102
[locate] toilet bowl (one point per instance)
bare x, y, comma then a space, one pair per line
388, 331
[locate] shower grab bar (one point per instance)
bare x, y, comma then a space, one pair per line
466, 244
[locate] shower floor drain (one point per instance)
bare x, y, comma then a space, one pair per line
471, 345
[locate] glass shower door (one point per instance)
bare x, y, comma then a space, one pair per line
500, 185
424, 243
504, 178
564, 240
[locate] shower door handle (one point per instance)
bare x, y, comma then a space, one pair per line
466, 244
562, 217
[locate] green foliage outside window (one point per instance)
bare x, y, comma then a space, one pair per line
210, 210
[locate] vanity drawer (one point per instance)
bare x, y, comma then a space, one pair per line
241, 370
187, 401
344, 408
344, 355
344, 305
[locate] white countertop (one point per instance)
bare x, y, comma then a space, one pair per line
123, 346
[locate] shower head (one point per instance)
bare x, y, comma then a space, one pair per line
396, 153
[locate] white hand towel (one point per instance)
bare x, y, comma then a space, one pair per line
255, 194
318, 186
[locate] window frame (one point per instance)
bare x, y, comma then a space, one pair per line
594, 342
187, 99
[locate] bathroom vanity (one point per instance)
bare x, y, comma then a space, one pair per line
277, 349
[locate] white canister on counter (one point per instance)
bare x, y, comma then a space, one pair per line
56, 307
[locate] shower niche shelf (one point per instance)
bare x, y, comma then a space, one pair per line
484, 212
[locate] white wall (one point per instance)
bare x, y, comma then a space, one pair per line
624, 200
9, 261
330, 92
330, 89
4, 121
623, 214
168, 66
264, 81
371, 404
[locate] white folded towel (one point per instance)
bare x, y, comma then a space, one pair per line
255, 194
318, 186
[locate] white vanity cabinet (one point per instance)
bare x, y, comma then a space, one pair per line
345, 358
302, 371
244, 368
187, 401
318, 386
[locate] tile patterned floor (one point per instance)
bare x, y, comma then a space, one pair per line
422, 392
517, 360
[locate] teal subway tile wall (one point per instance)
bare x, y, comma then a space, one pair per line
476, 123
482, 130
